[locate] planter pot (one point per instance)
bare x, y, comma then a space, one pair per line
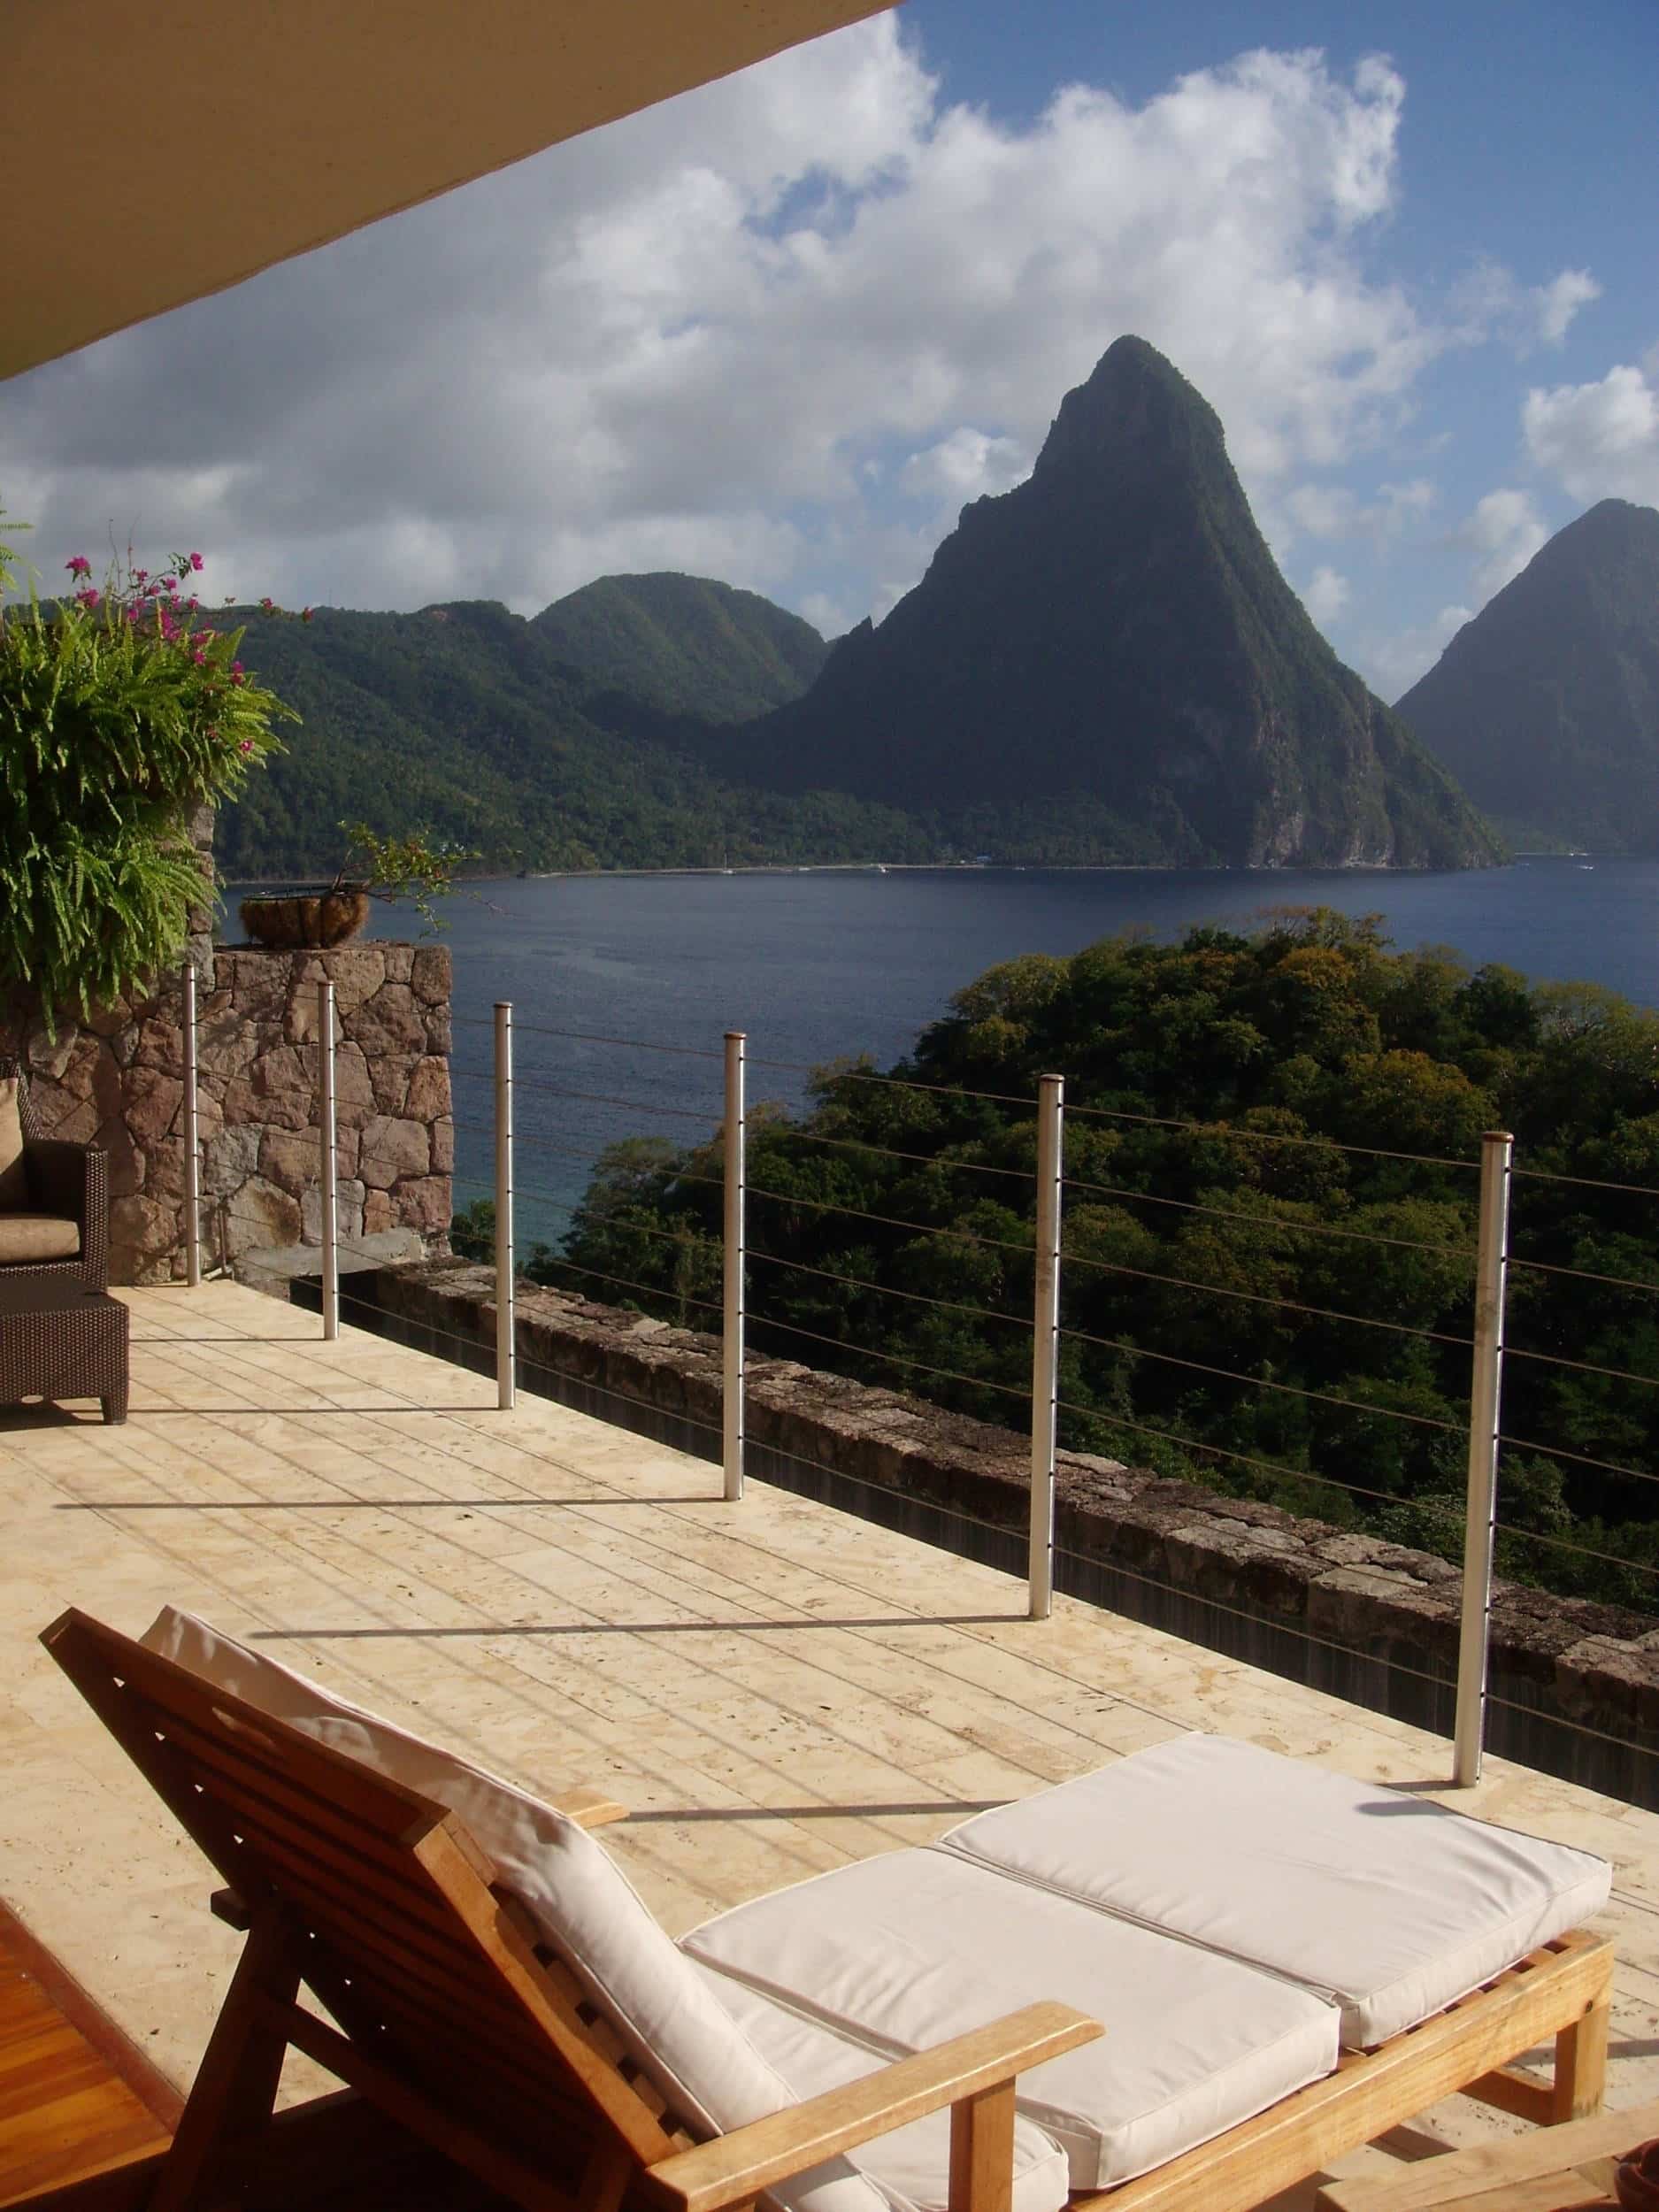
1637, 2179
294, 919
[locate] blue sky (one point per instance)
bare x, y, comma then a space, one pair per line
779, 330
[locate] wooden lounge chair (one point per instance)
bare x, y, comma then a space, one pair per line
458, 2020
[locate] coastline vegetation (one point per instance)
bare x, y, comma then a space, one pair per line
1269, 1228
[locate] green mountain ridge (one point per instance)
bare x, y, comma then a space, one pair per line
465, 720
1546, 705
1112, 644
685, 644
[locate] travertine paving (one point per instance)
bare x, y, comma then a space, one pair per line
773, 1687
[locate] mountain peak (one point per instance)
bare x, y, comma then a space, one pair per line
1546, 706
1133, 402
1104, 663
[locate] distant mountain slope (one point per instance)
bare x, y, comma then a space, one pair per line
465, 719
1546, 706
1107, 659
685, 644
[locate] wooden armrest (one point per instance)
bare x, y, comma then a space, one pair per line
737, 2167
588, 1808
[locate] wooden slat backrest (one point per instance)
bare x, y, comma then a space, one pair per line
439, 1980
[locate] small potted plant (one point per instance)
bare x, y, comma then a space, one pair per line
374, 867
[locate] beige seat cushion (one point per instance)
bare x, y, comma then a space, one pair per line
680, 2035
912, 2164
14, 1182
1383, 1901
899, 1952
37, 1237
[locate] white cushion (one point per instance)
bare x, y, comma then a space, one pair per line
905, 1950
912, 2164
1383, 1901
682, 2037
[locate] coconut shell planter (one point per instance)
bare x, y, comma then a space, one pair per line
296, 920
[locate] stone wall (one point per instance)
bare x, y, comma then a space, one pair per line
1575, 1684
119, 1081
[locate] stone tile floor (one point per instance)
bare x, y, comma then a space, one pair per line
773, 1687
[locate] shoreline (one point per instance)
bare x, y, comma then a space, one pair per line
1379, 869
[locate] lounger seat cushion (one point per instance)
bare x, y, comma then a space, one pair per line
902, 1951
682, 2037
1381, 1900
912, 2164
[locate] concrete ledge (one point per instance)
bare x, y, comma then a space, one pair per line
1372, 1622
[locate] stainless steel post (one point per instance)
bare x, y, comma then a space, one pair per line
506, 1313
330, 1159
731, 1394
1045, 1351
1492, 1267
192, 1142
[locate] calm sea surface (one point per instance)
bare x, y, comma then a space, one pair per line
816, 965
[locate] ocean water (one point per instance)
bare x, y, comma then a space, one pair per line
813, 965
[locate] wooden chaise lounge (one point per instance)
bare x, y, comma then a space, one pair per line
496, 1988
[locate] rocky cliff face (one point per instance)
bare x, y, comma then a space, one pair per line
1111, 646
1546, 706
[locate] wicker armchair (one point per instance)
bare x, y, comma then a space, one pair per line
59, 1183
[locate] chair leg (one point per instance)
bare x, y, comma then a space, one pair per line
235, 2086
114, 1407
1581, 2065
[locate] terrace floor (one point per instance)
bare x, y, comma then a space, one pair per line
773, 1687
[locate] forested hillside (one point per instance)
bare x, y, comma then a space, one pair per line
1215, 1228
465, 721
685, 644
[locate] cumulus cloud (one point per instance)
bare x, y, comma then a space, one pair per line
746, 332
1393, 665
1505, 530
1335, 511
1492, 302
1600, 441
1327, 595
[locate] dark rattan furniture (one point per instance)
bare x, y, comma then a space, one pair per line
57, 1340
73, 1182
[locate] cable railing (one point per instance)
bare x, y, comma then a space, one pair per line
779, 1239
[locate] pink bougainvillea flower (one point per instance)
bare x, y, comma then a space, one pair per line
239, 680
89, 597
196, 562
246, 746
78, 565
198, 657
267, 606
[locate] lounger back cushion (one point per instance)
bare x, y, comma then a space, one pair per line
14, 1181
901, 1951
1382, 1901
679, 2034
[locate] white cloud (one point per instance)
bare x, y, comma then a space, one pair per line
966, 465
1334, 510
1600, 441
1393, 665
683, 341
1326, 596
1506, 530
1493, 302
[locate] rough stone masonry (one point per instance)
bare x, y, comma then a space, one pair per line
118, 1081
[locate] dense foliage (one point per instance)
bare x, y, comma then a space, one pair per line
1546, 706
465, 722
122, 710
1245, 1300
1113, 642
685, 644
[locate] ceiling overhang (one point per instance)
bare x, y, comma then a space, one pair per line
172, 155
